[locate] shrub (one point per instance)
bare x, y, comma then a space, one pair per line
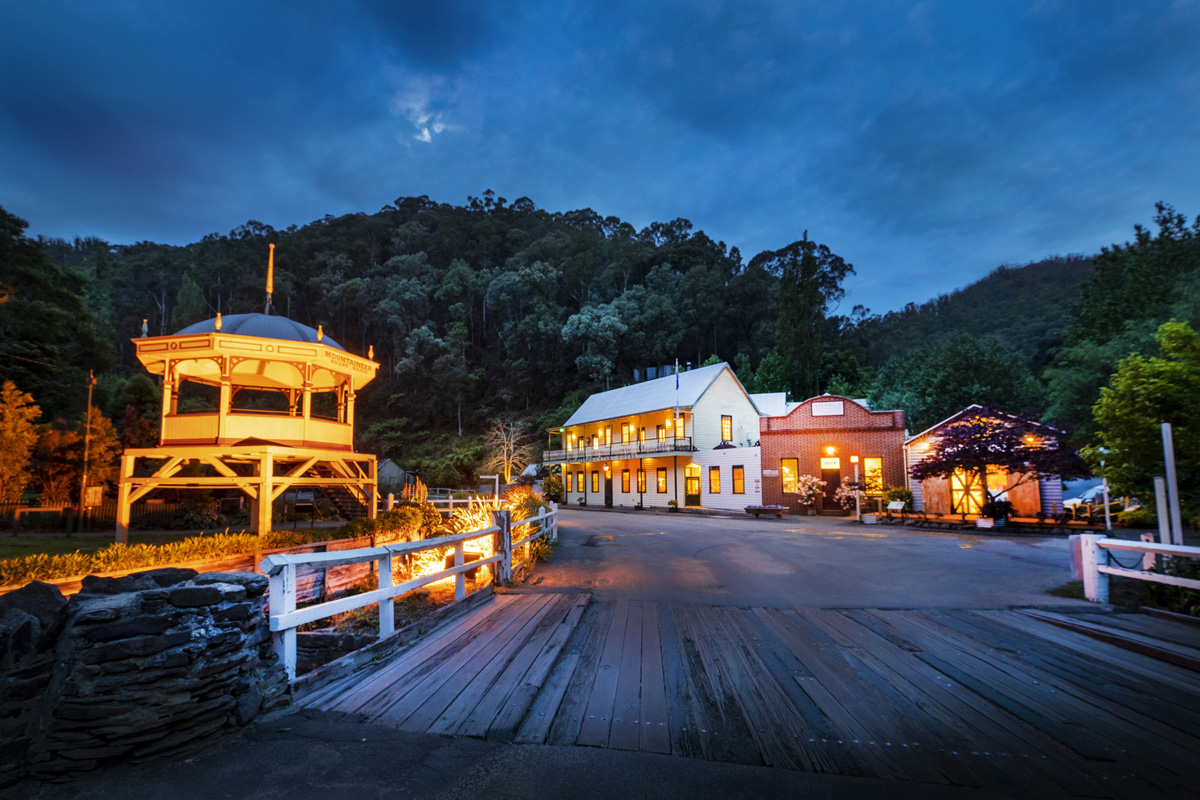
895, 493
552, 488
996, 509
1138, 518
809, 487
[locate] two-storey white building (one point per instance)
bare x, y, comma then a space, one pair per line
651, 443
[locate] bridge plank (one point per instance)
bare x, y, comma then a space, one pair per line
540, 679
349, 694
467, 666
1157, 673
597, 718
481, 710
419, 673
568, 720
1182, 634
1033, 754
654, 734
1118, 687
625, 730
687, 713
1089, 731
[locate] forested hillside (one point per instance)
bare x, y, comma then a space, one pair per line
494, 309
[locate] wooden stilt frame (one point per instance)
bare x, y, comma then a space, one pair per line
263, 473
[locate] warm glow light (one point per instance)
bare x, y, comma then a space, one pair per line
830, 450
853, 459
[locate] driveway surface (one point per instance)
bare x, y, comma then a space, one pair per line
808, 562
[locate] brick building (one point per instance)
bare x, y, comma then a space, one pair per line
820, 437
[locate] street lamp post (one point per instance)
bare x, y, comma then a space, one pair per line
857, 493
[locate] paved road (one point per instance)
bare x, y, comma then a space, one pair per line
815, 562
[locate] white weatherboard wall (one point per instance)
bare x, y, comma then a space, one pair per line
724, 396
748, 457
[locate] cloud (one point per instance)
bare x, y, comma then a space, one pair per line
413, 102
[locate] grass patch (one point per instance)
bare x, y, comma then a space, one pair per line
1131, 594
31, 544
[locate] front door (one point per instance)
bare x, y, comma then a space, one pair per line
691, 485
833, 479
608, 479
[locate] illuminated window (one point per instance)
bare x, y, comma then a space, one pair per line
641, 479
608, 436
579, 481
571, 442
873, 474
714, 480
624, 433
789, 468
625, 480
595, 480
642, 435
726, 429
660, 432
679, 427
595, 440
739, 480
662, 480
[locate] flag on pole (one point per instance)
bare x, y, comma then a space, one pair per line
677, 388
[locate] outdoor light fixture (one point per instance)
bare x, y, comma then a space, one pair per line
853, 459
830, 450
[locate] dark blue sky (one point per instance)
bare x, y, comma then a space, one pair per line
924, 142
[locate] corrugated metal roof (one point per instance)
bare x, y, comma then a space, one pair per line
647, 396
262, 326
772, 404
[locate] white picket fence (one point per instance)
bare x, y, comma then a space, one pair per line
1098, 557
281, 569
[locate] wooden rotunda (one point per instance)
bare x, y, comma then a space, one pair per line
258, 403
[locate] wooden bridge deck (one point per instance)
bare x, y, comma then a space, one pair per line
973, 698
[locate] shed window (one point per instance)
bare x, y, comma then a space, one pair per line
726, 428
714, 480
739, 480
873, 474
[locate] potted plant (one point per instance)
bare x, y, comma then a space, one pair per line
672, 505
994, 514
808, 489
846, 494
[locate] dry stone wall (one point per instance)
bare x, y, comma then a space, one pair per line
132, 668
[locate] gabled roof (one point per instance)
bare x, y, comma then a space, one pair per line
971, 408
654, 395
772, 404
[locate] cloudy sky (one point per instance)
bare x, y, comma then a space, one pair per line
925, 142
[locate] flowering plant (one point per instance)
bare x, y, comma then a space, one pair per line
846, 493
809, 487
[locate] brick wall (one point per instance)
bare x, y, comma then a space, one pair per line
804, 435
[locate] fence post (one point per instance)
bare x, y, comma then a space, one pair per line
283, 601
543, 525
1095, 582
460, 580
387, 609
502, 519
391, 501
554, 523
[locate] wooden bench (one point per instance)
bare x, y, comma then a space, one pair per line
756, 510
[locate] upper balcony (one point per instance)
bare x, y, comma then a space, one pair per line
238, 426
671, 446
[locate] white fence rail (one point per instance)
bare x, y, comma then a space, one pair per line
1098, 558
281, 569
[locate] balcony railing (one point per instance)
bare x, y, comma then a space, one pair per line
617, 452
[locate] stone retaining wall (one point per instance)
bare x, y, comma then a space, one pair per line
132, 668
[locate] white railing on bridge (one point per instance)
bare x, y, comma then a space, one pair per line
281, 569
1098, 558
